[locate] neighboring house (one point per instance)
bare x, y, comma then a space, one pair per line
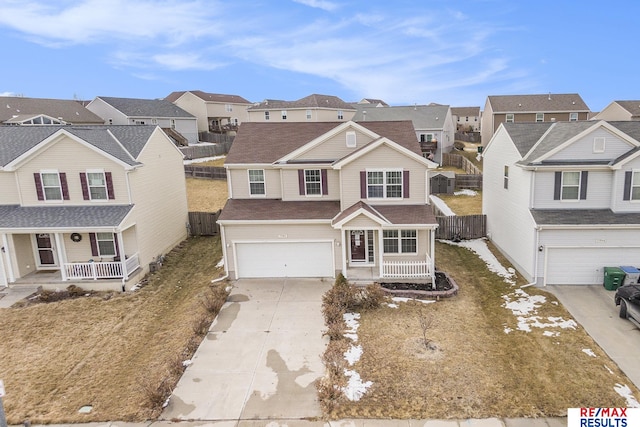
214, 112
312, 108
178, 124
433, 124
91, 206
467, 119
373, 102
563, 199
322, 198
530, 108
15, 110
620, 110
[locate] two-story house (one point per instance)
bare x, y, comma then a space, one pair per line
563, 199
322, 198
312, 108
557, 107
433, 124
215, 112
467, 119
620, 110
88, 205
178, 124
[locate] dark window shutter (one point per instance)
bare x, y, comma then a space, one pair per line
115, 243
557, 188
627, 185
39, 190
583, 185
363, 184
63, 184
84, 185
405, 184
301, 182
94, 244
323, 178
109, 180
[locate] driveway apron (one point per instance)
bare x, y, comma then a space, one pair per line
594, 308
260, 358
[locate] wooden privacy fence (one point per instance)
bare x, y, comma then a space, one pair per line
205, 150
469, 181
204, 223
460, 162
209, 172
461, 227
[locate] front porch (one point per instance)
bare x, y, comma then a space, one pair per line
392, 271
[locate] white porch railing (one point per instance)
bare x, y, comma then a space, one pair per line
101, 270
407, 269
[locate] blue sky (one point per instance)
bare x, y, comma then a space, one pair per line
404, 52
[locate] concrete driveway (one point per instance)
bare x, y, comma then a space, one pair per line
594, 308
260, 358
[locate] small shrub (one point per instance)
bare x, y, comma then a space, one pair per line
372, 297
155, 392
426, 321
201, 324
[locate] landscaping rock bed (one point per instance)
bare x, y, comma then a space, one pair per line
445, 287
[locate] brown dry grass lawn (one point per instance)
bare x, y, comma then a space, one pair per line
479, 371
463, 204
112, 354
216, 162
206, 195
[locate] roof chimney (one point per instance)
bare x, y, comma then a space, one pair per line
549, 96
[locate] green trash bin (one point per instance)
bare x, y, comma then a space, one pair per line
613, 278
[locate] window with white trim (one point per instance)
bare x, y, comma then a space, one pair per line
635, 186
506, 177
284, 114
266, 115
400, 241
509, 118
312, 182
426, 137
256, 182
340, 115
51, 186
308, 114
228, 108
539, 117
570, 186
97, 185
106, 244
573, 117
384, 184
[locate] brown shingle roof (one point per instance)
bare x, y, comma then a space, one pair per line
537, 103
465, 111
258, 142
209, 97
311, 101
276, 209
633, 107
407, 214
71, 111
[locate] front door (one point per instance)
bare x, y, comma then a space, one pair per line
46, 251
358, 246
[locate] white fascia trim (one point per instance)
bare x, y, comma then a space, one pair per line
375, 144
276, 222
26, 230
327, 135
379, 219
249, 166
590, 227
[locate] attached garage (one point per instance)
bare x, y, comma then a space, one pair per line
284, 259
584, 265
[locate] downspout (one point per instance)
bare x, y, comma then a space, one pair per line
126, 176
535, 263
224, 256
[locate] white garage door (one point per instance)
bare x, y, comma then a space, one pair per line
584, 266
285, 259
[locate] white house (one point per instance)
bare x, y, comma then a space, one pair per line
563, 199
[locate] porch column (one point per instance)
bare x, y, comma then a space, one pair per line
119, 242
381, 251
344, 253
7, 254
433, 252
62, 254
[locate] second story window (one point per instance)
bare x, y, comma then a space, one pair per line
308, 114
384, 184
97, 185
284, 114
509, 118
631, 185
266, 115
340, 115
573, 117
51, 185
228, 108
312, 182
256, 182
539, 117
570, 185
506, 177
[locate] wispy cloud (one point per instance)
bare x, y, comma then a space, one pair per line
329, 6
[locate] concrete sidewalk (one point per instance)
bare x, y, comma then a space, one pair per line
260, 358
594, 308
11, 295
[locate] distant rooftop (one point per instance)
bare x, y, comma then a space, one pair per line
210, 97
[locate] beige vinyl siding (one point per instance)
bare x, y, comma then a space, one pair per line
81, 251
9, 194
291, 188
24, 252
422, 248
195, 106
583, 148
613, 112
384, 157
159, 193
362, 222
240, 183
64, 155
279, 233
336, 147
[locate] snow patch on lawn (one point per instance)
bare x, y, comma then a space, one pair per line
589, 352
440, 204
355, 388
202, 160
403, 299
220, 263
480, 248
625, 391
465, 192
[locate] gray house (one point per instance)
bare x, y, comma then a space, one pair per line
178, 124
433, 124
